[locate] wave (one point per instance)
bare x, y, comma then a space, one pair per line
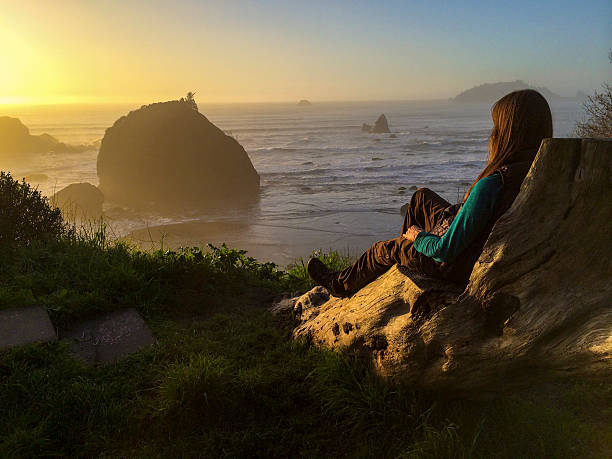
312, 129
365, 149
278, 149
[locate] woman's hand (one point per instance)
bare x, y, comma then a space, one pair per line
412, 233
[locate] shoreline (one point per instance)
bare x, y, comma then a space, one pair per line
277, 241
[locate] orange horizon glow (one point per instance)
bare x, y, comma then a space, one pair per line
8, 102
74, 52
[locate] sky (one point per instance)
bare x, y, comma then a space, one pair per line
90, 51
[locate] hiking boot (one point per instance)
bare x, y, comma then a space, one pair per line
324, 276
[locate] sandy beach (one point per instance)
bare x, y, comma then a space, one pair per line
279, 241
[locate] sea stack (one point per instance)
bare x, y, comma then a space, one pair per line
170, 157
79, 201
380, 127
304, 103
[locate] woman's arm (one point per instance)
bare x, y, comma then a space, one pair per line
473, 217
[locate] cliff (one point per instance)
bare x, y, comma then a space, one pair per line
538, 300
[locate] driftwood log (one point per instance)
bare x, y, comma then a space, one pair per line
538, 302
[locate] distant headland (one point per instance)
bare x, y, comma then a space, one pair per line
15, 139
490, 92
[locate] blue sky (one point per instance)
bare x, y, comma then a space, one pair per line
284, 50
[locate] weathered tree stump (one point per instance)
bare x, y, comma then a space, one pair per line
538, 302
378, 320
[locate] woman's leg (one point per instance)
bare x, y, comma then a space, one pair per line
378, 259
424, 210
374, 262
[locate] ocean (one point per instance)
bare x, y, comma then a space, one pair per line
325, 184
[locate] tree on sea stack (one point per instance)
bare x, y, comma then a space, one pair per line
189, 100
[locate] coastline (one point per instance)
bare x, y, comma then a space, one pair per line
279, 241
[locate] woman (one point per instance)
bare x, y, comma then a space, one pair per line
444, 241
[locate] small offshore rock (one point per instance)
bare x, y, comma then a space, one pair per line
380, 127
79, 200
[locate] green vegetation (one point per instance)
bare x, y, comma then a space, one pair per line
224, 379
190, 100
298, 274
25, 215
598, 111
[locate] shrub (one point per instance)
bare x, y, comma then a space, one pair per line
25, 215
190, 101
598, 109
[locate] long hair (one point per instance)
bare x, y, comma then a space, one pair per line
521, 120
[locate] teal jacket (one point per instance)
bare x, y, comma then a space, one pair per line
473, 217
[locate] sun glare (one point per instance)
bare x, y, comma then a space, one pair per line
18, 63
13, 100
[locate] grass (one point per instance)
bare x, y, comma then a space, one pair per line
224, 380
298, 273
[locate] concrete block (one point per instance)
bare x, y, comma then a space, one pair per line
110, 337
19, 326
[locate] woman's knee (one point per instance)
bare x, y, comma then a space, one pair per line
378, 248
421, 193
420, 196
385, 252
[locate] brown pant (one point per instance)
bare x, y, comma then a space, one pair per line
425, 210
